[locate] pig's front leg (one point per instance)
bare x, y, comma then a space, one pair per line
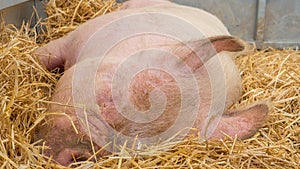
53, 55
63, 52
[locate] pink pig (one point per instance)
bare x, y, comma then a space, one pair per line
143, 74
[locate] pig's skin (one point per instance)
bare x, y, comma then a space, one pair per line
60, 135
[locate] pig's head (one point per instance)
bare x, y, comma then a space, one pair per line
64, 140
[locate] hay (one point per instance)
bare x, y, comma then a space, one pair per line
65, 15
26, 88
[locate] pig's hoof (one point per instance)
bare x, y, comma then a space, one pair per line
241, 123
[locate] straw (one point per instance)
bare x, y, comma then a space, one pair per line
26, 88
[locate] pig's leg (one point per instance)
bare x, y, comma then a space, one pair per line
54, 54
242, 123
205, 49
62, 52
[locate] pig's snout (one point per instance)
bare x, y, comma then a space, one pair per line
64, 144
71, 155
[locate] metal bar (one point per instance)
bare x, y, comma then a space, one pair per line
278, 45
23, 11
9, 3
260, 21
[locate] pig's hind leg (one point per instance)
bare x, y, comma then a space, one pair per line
241, 123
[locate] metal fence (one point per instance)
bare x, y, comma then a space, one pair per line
274, 23
17, 11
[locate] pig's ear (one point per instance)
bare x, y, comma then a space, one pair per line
205, 49
242, 123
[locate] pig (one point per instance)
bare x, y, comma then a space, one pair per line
143, 74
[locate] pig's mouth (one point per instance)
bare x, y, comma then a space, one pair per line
72, 155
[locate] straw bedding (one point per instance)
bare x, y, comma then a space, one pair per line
26, 88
